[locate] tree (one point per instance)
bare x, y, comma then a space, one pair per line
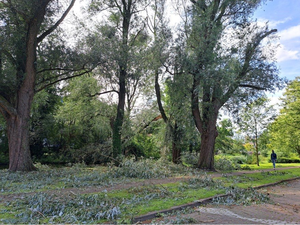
123, 38
285, 131
25, 27
224, 141
223, 55
83, 118
254, 120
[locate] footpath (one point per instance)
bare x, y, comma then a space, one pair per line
203, 202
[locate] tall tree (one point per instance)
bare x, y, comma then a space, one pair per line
285, 131
224, 56
254, 119
24, 27
125, 38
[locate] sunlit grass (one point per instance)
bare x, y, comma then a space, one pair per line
259, 178
270, 165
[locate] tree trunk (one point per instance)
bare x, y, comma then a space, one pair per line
206, 125
207, 147
18, 141
117, 141
176, 151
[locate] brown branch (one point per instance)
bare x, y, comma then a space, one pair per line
61, 79
153, 120
105, 92
6, 107
51, 29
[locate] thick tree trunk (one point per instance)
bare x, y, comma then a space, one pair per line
206, 125
18, 140
207, 148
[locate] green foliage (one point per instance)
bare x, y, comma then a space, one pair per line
224, 140
225, 164
285, 131
287, 160
143, 145
143, 169
82, 117
189, 158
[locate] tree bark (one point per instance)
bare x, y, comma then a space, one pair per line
126, 12
207, 148
18, 141
18, 124
176, 150
117, 128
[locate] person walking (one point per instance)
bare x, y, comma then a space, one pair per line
273, 158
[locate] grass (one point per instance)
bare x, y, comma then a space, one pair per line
63, 206
270, 165
259, 178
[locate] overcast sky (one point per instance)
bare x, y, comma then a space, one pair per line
284, 15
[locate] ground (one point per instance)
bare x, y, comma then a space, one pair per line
284, 208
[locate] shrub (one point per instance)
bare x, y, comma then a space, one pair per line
190, 158
239, 159
287, 160
91, 154
144, 169
222, 163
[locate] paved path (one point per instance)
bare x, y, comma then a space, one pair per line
283, 209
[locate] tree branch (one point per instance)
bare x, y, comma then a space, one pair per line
102, 93
51, 29
251, 86
61, 79
5, 106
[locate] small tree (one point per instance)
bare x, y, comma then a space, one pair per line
254, 119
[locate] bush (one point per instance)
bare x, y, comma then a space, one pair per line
145, 169
222, 163
91, 154
239, 159
287, 160
189, 158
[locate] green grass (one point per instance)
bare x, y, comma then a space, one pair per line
66, 207
260, 178
270, 165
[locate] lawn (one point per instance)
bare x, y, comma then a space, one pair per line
81, 194
270, 165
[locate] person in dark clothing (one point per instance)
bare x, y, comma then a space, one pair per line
273, 158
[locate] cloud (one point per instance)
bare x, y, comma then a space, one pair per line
284, 54
290, 33
276, 23
273, 23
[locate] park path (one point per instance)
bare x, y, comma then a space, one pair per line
284, 206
